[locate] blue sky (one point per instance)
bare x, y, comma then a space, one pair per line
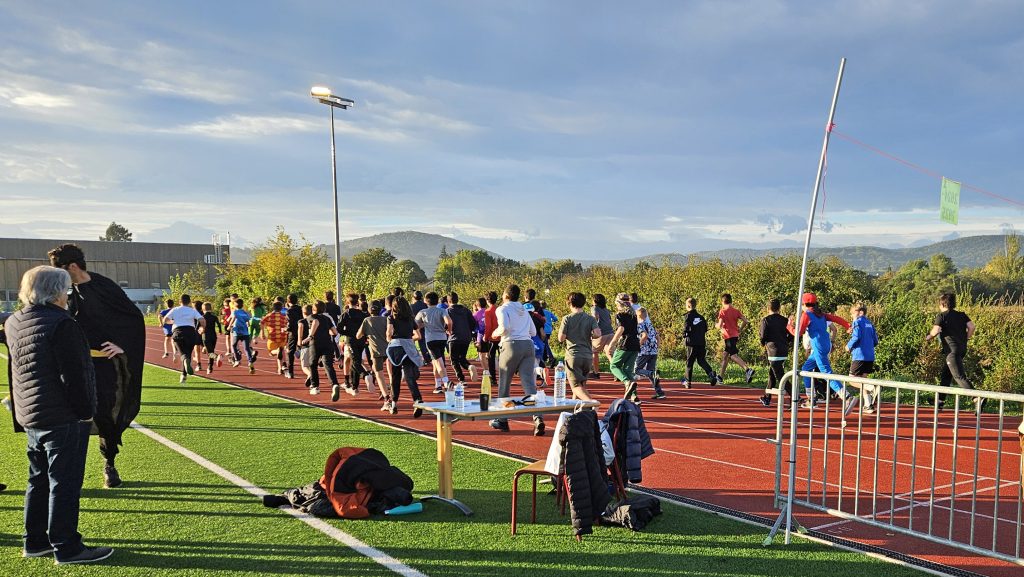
536, 129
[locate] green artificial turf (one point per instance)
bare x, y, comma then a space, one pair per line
172, 517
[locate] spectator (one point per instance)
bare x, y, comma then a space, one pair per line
53, 387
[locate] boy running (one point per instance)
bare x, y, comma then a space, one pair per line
861, 347
814, 321
732, 322
209, 332
775, 338
168, 343
374, 330
238, 326
274, 327
695, 329
578, 331
647, 361
435, 324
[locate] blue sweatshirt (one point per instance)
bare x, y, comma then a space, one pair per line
863, 341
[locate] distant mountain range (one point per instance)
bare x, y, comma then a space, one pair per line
966, 252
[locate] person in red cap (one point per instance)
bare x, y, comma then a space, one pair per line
815, 322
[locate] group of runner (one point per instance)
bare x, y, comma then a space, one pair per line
384, 341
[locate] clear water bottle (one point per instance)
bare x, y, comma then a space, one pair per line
460, 397
560, 382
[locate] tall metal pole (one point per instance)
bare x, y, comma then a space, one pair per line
337, 222
799, 313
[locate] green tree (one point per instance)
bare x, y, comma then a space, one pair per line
116, 233
278, 267
373, 259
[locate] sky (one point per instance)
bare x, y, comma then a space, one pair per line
572, 129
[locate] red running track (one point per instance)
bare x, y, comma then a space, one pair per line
711, 445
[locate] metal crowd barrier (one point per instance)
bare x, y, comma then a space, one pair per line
950, 476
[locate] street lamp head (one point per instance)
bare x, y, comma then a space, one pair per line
325, 96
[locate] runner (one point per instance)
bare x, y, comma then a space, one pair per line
303, 349
168, 343
225, 317
275, 332
515, 329
604, 322
321, 341
625, 347
348, 327
197, 352
479, 312
294, 316
695, 329
402, 355
776, 335
117, 337
861, 346
813, 320
537, 316
434, 323
332, 308
238, 328
954, 328
416, 306
375, 331
550, 318
647, 360
259, 310
578, 331
490, 325
183, 330
463, 325
209, 334
732, 322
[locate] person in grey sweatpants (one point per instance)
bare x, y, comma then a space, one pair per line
516, 331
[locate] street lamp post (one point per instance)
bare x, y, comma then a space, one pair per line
324, 95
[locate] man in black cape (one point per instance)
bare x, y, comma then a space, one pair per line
117, 339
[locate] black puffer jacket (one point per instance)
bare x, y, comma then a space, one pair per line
585, 474
629, 435
53, 382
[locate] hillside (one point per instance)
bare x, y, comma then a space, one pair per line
421, 247
967, 252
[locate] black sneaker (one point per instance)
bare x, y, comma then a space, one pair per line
766, 400
658, 395
499, 424
110, 477
538, 428
417, 413
749, 375
335, 392
44, 552
87, 555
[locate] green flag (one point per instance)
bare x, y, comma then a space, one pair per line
949, 203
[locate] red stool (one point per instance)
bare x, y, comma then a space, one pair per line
535, 469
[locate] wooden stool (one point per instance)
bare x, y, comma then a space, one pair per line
535, 469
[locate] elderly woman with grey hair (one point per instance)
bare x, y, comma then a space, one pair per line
53, 389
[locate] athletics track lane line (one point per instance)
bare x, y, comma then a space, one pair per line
376, 555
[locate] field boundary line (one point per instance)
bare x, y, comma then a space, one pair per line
376, 555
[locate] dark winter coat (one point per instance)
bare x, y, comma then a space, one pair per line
630, 438
585, 473
52, 382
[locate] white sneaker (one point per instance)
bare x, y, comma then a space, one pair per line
369, 383
472, 372
314, 390
352, 391
164, 357
181, 379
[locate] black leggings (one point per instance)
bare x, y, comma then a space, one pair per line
185, 338
458, 351
412, 372
776, 369
699, 355
356, 350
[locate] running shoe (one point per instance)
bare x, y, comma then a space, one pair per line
288, 374
417, 413
234, 364
6, 402
208, 371
45, 552
808, 404
386, 406
369, 383
252, 369
352, 391
314, 390
766, 400
868, 410
749, 375
188, 367
438, 389
181, 379
499, 424
848, 405
393, 407
658, 395
163, 357
718, 380
538, 428
685, 383
472, 372
335, 392
87, 555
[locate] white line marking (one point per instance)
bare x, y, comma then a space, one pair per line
355, 544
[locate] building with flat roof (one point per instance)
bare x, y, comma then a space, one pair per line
141, 268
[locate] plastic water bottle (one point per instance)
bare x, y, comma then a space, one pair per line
560, 382
460, 397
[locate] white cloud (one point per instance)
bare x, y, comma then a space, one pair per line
248, 126
42, 167
647, 235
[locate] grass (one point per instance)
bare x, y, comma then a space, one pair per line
172, 517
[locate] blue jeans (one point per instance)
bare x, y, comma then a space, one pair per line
56, 469
246, 341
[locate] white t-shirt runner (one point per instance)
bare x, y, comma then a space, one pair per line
182, 316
